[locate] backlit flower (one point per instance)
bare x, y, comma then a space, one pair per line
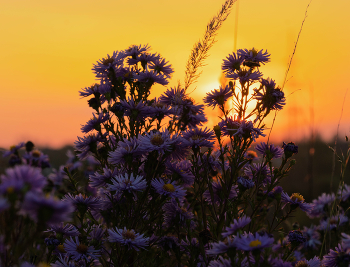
249, 242
218, 96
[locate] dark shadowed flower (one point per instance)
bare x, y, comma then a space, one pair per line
131, 184
177, 215
346, 241
97, 179
296, 200
344, 192
180, 171
218, 97
87, 144
218, 193
47, 210
23, 176
151, 77
254, 56
64, 229
312, 237
3, 204
296, 238
244, 75
83, 203
333, 222
168, 189
237, 224
78, 250
230, 125
247, 130
13, 150
277, 190
136, 111
96, 234
173, 96
314, 262
336, 257
290, 149
197, 137
95, 123
143, 58
159, 110
245, 182
321, 205
220, 262
269, 151
161, 66
136, 50
270, 96
128, 238
249, 242
126, 152
258, 173
232, 63
103, 66
36, 158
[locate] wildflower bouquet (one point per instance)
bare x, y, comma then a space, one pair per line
151, 186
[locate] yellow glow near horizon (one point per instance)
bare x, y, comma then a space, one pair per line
49, 47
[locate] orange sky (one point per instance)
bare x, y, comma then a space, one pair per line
48, 48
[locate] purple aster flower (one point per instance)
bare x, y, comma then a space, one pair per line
290, 149
85, 145
36, 158
95, 123
296, 200
245, 75
91, 90
78, 250
161, 66
220, 247
270, 96
13, 149
247, 130
128, 238
98, 180
232, 63
64, 229
246, 183
218, 193
230, 125
321, 205
143, 58
333, 222
3, 204
168, 189
136, 111
270, 151
57, 176
336, 257
237, 224
46, 209
345, 241
220, 262
159, 110
27, 264
176, 215
151, 77
279, 263
83, 203
127, 152
173, 96
197, 137
296, 238
180, 171
314, 262
136, 50
277, 190
258, 173
218, 96
249, 242
21, 176
96, 234
103, 66
156, 141
344, 193
125, 183
191, 114
253, 56
312, 237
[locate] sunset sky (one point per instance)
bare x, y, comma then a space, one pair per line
48, 49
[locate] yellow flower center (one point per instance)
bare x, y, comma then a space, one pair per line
157, 140
129, 234
10, 190
196, 137
107, 61
217, 128
301, 264
255, 243
43, 264
60, 248
169, 188
12, 147
298, 197
81, 248
36, 153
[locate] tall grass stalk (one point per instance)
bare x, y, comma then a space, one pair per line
200, 49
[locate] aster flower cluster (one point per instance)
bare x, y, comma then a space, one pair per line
149, 185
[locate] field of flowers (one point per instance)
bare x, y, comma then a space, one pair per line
148, 184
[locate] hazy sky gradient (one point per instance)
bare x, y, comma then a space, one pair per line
49, 47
